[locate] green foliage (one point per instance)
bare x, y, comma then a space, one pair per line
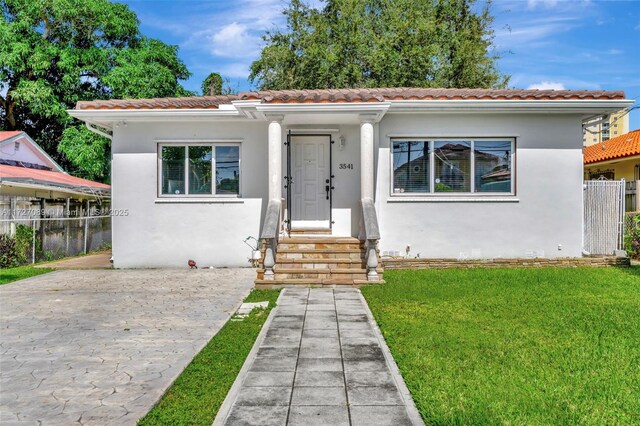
16, 250
87, 151
197, 394
24, 241
54, 53
380, 43
632, 236
515, 346
212, 85
8, 252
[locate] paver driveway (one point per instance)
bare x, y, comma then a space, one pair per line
101, 347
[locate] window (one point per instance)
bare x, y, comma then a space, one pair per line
452, 166
608, 174
199, 170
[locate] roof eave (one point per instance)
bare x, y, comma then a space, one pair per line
107, 117
578, 106
613, 160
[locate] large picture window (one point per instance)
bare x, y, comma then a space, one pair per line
199, 170
452, 166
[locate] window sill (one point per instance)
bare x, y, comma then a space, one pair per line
460, 199
218, 200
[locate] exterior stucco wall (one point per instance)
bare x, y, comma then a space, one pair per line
545, 213
164, 235
624, 168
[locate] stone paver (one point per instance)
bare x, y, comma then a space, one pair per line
102, 346
319, 361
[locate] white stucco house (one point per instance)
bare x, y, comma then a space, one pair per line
451, 173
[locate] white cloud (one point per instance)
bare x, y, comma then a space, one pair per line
524, 32
532, 4
615, 52
234, 41
235, 70
547, 85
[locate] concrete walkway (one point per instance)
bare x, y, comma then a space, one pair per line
102, 346
91, 261
319, 360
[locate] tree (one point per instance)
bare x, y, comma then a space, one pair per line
214, 85
380, 43
54, 53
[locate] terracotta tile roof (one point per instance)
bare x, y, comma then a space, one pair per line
622, 146
4, 135
352, 95
195, 102
46, 177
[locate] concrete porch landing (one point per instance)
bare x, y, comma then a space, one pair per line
319, 360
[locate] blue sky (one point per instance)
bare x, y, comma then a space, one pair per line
572, 44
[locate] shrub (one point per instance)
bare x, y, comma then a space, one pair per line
24, 238
8, 252
632, 236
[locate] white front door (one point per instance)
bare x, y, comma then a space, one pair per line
310, 170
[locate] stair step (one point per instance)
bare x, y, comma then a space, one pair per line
279, 270
322, 264
280, 283
318, 246
311, 231
320, 240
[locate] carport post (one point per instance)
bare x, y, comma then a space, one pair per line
86, 227
33, 242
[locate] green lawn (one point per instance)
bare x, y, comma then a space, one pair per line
516, 346
198, 393
8, 275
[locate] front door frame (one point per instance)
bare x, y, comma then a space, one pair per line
289, 178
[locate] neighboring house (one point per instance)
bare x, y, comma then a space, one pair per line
451, 173
30, 178
615, 159
601, 128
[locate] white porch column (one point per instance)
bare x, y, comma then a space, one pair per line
275, 158
366, 157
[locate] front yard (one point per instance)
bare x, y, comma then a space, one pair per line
8, 275
516, 346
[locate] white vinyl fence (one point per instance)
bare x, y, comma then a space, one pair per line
603, 216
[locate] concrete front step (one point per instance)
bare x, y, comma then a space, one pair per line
318, 261
332, 283
338, 263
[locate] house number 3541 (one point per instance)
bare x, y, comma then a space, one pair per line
344, 166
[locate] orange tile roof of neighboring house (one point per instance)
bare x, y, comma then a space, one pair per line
27, 175
350, 95
4, 135
622, 146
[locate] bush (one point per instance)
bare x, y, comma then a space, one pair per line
8, 252
632, 235
24, 237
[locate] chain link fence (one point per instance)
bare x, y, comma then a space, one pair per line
24, 241
632, 234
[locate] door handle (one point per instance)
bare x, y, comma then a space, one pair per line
327, 188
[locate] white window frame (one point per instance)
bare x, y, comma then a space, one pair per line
187, 144
432, 192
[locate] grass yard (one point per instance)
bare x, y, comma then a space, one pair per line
198, 393
516, 346
8, 275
